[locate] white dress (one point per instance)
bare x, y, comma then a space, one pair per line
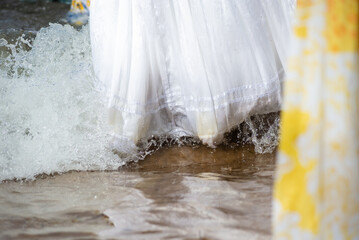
189, 68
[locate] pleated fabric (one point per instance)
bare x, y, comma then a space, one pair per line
189, 68
316, 193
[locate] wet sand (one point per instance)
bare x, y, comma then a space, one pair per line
176, 193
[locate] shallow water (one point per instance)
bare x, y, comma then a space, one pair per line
53, 120
176, 193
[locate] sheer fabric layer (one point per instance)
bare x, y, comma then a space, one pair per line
192, 67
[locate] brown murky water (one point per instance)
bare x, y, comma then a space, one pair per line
176, 193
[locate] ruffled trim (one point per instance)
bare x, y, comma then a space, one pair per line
176, 99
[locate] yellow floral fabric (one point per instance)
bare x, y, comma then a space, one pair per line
80, 5
316, 191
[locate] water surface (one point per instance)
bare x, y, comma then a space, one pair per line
176, 193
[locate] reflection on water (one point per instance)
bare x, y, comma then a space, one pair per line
179, 192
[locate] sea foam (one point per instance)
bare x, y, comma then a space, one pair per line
52, 117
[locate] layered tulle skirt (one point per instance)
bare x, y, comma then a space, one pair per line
189, 68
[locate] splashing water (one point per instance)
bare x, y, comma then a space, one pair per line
53, 118
258, 130
263, 131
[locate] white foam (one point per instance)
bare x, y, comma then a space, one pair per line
52, 118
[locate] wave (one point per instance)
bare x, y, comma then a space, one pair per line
53, 117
